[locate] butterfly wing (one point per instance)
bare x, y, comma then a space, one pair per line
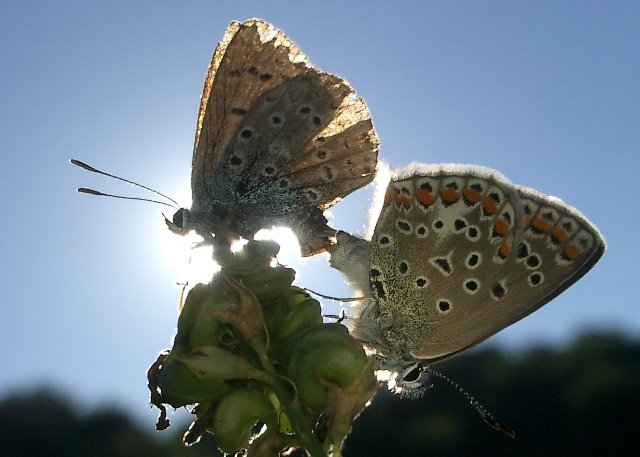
277, 141
459, 253
253, 58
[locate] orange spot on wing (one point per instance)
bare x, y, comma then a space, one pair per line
403, 200
501, 227
390, 195
541, 225
471, 195
449, 195
489, 205
571, 252
425, 197
559, 234
503, 251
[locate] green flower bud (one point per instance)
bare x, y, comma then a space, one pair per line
325, 355
196, 328
180, 386
269, 283
230, 302
305, 315
236, 414
214, 362
289, 328
344, 404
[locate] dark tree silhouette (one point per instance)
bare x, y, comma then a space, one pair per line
579, 401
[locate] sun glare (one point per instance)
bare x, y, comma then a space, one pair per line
191, 264
289, 248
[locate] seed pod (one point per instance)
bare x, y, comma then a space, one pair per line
327, 354
301, 317
214, 362
236, 415
180, 386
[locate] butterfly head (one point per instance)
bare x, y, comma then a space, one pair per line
216, 226
179, 223
406, 378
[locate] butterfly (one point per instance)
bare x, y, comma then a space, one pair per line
457, 254
277, 142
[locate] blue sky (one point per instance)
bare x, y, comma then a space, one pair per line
546, 92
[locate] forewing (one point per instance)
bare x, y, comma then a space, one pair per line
253, 58
448, 261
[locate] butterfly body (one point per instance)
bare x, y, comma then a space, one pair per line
458, 253
277, 141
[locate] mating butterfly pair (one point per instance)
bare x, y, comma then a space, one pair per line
457, 253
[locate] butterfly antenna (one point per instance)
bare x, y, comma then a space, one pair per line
85, 190
133, 183
339, 318
484, 414
344, 300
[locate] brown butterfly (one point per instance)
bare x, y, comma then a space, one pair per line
277, 142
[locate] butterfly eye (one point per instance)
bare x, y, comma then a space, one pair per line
410, 381
178, 218
180, 222
413, 373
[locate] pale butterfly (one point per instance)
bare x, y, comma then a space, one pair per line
277, 141
457, 254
